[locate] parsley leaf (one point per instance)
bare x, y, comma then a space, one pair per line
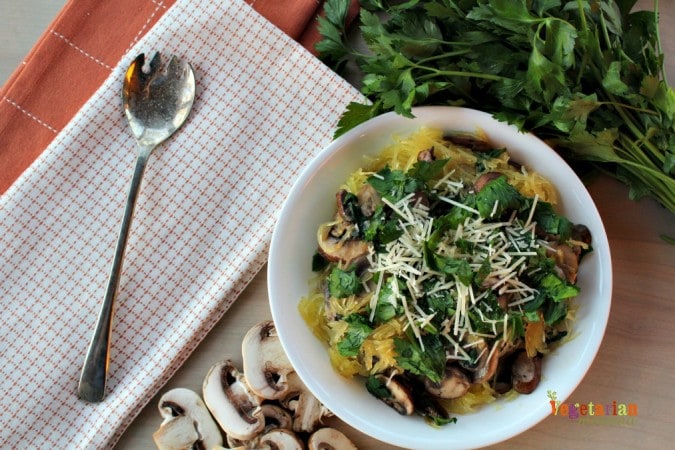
357, 332
551, 222
498, 191
343, 283
429, 362
586, 76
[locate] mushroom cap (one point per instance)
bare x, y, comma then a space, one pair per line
177, 434
234, 406
307, 410
329, 439
183, 410
276, 417
526, 373
339, 249
265, 363
401, 396
279, 439
454, 384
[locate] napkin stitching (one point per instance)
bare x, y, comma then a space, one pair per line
32, 116
145, 25
90, 56
160, 4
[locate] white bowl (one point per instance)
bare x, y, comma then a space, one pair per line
310, 202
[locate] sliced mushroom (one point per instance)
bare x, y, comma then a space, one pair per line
567, 260
484, 179
526, 373
279, 439
485, 364
276, 417
454, 384
400, 396
343, 206
369, 199
265, 363
234, 406
329, 439
177, 434
471, 142
581, 233
426, 155
233, 443
335, 247
187, 422
308, 411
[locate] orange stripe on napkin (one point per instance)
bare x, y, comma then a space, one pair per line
76, 54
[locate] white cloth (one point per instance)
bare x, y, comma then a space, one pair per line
203, 220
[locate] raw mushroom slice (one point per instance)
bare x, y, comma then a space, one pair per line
187, 422
279, 440
276, 417
234, 406
329, 439
266, 366
308, 411
177, 434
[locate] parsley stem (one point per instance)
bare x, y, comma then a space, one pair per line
443, 56
455, 73
630, 123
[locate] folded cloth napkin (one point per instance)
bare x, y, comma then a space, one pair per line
78, 52
204, 217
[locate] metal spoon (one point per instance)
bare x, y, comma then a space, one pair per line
157, 101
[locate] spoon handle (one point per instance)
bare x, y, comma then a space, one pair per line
91, 387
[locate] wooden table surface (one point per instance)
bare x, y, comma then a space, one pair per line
635, 364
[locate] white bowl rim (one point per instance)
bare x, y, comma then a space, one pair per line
384, 426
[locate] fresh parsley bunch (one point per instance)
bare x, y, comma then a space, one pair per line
584, 75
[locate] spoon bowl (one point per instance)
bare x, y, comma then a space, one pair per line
157, 100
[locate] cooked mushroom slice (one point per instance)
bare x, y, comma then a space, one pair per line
471, 142
484, 179
278, 439
265, 363
336, 248
426, 155
526, 373
187, 423
567, 260
484, 366
581, 233
234, 406
399, 397
454, 384
369, 199
343, 207
308, 411
329, 439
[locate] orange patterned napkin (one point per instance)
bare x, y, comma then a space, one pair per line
206, 210
78, 52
